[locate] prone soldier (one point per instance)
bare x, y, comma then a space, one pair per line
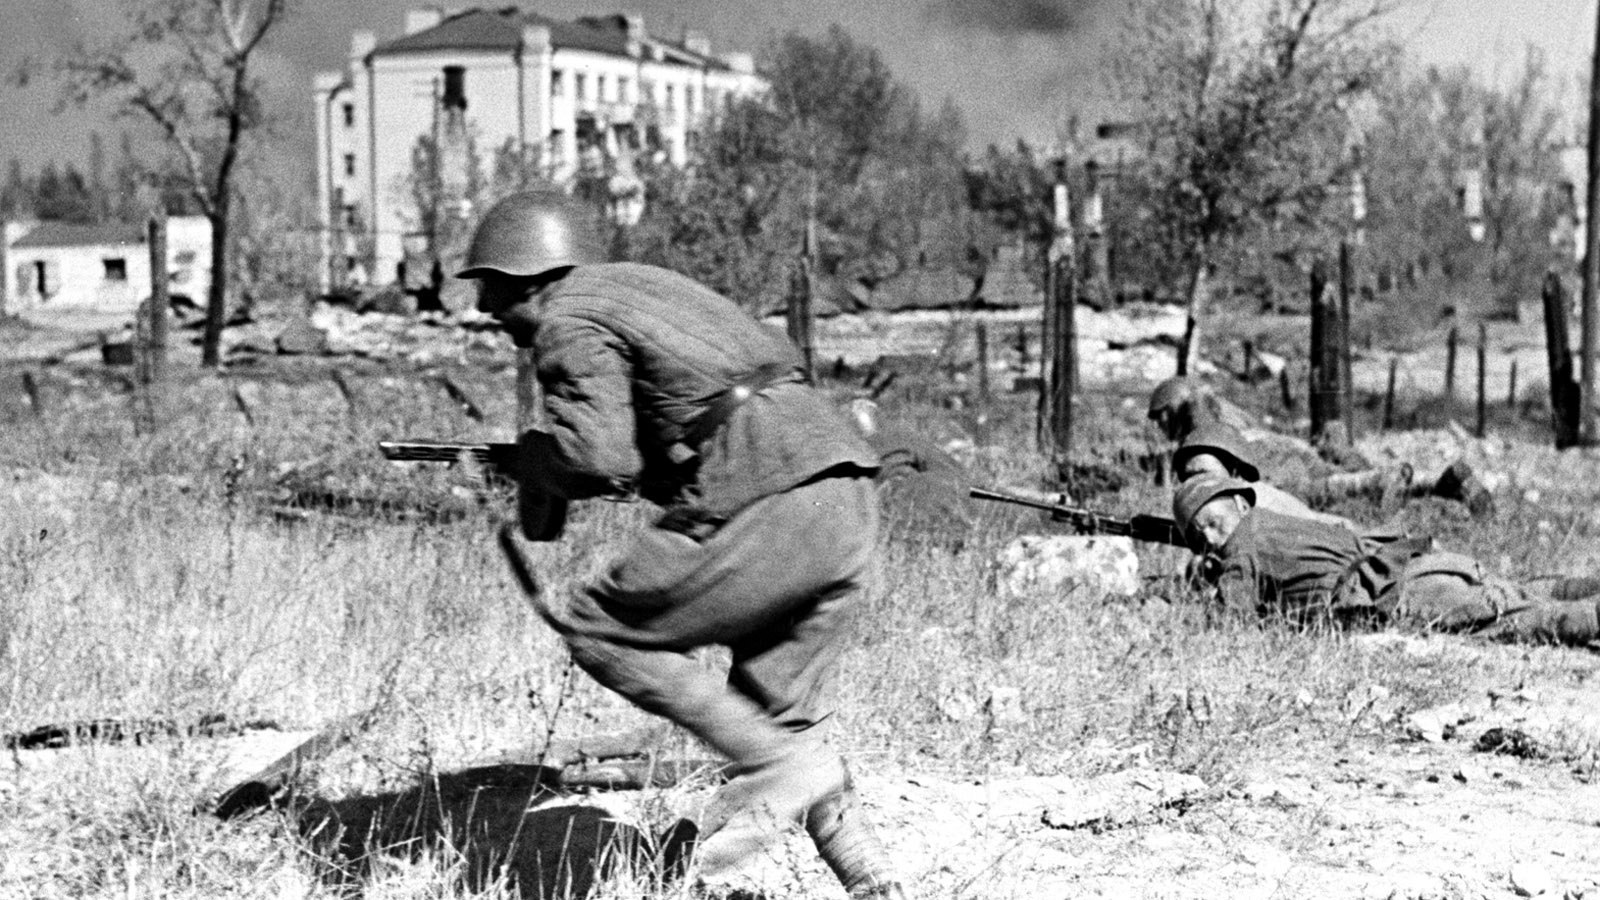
1267, 564
1185, 412
655, 385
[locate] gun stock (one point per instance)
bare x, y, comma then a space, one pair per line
1145, 528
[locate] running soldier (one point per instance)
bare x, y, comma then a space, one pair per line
656, 386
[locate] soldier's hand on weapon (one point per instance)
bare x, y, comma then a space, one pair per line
543, 515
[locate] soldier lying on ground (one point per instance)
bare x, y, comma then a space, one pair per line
657, 386
1262, 563
1181, 408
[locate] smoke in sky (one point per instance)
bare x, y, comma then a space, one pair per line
1035, 17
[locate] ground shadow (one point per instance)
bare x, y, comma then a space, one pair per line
481, 818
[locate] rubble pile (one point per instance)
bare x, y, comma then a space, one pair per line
422, 339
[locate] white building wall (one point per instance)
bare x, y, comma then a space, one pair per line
79, 277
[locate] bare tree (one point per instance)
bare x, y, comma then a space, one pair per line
185, 65
1245, 118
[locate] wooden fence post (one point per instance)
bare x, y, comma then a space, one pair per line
1323, 374
1388, 394
1450, 372
5, 271
1586, 427
981, 335
1346, 328
799, 311
30, 386
1483, 378
1060, 356
152, 332
981, 414
1563, 391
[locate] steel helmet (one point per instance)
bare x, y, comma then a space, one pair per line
533, 232
1197, 492
1222, 442
1170, 394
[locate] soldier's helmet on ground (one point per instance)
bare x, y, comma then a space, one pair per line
1218, 440
1197, 492
532, 232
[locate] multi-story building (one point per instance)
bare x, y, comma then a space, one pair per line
558, 97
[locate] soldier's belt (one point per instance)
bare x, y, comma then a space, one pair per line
725, 404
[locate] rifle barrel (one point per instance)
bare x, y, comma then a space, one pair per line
979, 493
432, 451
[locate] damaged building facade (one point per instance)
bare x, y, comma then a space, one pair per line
457, 94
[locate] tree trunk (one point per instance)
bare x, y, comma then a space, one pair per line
217, 296
1199, 302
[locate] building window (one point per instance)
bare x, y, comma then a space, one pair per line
622, 89
580, 86
600, 88
557, 84
672, 97
688, 97
116, 269
349, 115
350, 164
349, 215
455, 88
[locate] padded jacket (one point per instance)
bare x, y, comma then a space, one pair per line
630, 357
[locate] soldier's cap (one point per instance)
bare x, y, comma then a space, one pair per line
1170, 394
1221, 441
1197, 492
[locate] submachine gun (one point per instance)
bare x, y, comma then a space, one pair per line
1141, 527
499, 458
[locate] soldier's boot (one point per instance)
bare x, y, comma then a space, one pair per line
764, 799
1460, 483
1577, 588
847, 842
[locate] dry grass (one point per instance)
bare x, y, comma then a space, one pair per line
145, 578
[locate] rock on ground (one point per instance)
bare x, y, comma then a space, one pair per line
1099, 564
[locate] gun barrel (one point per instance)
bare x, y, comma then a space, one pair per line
1150, 529
433, 451
979, 493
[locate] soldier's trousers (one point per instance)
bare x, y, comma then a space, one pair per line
774, 583
1494, 608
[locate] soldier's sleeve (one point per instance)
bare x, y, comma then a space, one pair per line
1239, 587
588, 400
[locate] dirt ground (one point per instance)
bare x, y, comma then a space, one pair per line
1490, 797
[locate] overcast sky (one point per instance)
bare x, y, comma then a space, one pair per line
1016, 68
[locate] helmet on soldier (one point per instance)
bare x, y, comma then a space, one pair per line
1170, 395
1193, 496
532, 232
1218, 440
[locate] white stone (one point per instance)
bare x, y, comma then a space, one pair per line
1531, 880
1098, 564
